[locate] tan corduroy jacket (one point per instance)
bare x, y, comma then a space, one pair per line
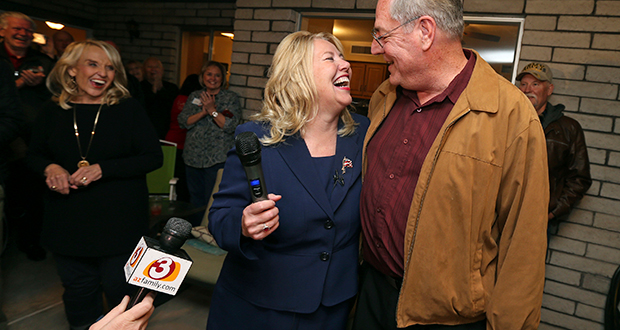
475, 241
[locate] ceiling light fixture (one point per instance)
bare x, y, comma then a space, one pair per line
55, 26
230, 35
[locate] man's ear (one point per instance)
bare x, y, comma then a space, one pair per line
428, 29
550, 89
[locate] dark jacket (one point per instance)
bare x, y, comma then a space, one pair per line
10, 115
567, 155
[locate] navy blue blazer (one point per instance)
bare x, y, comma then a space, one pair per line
312, 257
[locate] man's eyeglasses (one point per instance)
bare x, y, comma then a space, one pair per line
383, 36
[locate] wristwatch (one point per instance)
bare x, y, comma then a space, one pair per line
214, 114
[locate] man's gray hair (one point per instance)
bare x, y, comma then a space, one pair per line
448, 14
4, 22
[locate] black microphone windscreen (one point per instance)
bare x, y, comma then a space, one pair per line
248, 148
179, 227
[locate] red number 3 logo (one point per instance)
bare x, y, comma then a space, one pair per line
161, 269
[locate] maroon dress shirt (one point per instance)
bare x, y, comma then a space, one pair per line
395, 156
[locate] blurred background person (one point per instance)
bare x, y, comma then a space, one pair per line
134, 68
24, 207
94, 145
62, 39
158, 96
210, 116
292, 260
177, 134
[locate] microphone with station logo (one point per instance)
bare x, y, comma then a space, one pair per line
159, 265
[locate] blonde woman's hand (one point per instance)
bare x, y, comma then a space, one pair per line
261, 218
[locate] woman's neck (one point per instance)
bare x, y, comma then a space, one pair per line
321, 135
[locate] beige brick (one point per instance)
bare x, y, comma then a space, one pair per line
603, 253
567, 245
565, 321
366, 4
608, 8
237, 80
535, 53
584, 88
587, 56
274, 37
603, 74
607, 221
570, 102
589, 23
582, 264
240, 58
209, 13
610, 190
242, 36
339, 4
558, 304
244, 13
589, 234
251, 25
261, 59
496, 6
248, 70
614, 159
596, 283
255, 105
567, 71
574, 293
605, 173
253, 3
606, 41
570, 7
533, 22
593, 123
276, 14
601, 107
292, 3
595, 188
582, 217
603, 205
249, 47
257, 82
560, 274
560, 39
544, 326
617, 129
590, 313
248, 113
285, 26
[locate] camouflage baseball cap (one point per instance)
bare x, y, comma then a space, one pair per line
540, 71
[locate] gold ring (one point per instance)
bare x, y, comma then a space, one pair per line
53, 187
84, 179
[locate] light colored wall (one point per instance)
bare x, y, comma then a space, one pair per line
579, 39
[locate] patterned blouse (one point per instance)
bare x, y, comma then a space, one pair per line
206, 143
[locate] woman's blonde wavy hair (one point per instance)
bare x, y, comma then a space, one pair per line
63, 86
291, 95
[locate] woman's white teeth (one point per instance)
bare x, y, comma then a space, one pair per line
98, 81
342, 81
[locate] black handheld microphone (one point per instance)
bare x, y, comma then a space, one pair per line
159, 265
248, 150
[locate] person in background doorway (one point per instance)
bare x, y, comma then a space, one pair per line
567, 154
177, 134
455, 195
135, 68
210, 116
62, 39
159, 96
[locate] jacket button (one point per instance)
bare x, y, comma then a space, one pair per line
328, 224
324, 256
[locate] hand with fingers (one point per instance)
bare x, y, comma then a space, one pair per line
135, 318
57, 179
261, 218
86, 175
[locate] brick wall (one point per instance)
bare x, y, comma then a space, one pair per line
579, 39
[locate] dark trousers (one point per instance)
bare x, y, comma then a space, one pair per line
200, 182
85, 279
376, 305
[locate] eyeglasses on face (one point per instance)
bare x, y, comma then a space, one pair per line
383, 36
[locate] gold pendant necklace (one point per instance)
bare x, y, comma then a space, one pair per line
84, 162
